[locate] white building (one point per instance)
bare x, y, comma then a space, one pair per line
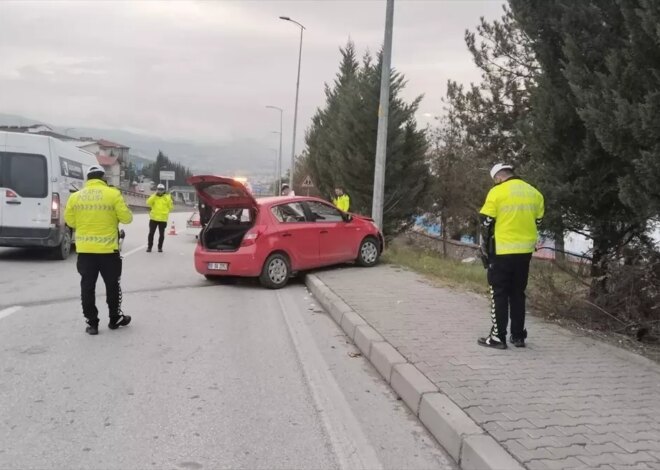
111, 156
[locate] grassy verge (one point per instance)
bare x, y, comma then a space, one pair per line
546, 282
445, 271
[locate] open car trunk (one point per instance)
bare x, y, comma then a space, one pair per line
227, 227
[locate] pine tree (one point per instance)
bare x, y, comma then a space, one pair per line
341, 143
578, 174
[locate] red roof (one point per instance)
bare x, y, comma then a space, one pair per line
106, 161
107, 143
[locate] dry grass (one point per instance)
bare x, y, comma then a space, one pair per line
448, 272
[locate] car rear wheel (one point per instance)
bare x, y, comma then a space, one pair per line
276, 271
63, 250
369, 252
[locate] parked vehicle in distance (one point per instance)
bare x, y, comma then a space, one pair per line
273, 238
37, 175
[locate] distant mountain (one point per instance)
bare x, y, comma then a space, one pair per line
238, 157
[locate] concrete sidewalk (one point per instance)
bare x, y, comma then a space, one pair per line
563, 402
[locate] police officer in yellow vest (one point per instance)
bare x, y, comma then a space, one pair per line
342, 201
161, 205
95, 213
510, 216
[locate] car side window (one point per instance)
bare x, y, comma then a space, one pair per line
324, 212
289, 213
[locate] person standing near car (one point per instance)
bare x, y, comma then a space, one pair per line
161, 205
95, 213
510, 216
342, 201
287, 191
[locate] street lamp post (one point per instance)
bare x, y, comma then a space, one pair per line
295, 110
279, 158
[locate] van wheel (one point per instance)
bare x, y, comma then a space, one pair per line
63, 250
276, 271
369, 252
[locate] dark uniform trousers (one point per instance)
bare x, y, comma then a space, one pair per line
507, 276
161, 233
90, 265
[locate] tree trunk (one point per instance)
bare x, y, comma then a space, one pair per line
443, 232
560, 256
599, 266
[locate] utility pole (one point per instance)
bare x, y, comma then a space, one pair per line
383, 118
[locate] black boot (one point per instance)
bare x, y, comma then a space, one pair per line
92, 330
491, 341
121, 320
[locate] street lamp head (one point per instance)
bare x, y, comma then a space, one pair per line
287, 18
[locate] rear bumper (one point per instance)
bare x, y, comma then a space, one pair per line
243, 263
20, 237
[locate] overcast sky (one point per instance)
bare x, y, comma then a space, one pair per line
205, 70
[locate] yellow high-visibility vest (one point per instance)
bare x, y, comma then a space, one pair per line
95, 213
516, 206
161, 206
343, 202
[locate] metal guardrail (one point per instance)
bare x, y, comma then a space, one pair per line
135, 199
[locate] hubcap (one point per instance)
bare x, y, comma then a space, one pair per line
277, 271
369, 252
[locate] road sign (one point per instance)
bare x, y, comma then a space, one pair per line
167, 176
307, 182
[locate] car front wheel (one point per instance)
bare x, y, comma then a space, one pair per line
369, 252
276, 271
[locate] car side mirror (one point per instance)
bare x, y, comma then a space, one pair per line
346, 217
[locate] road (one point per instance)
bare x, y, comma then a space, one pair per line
207, 375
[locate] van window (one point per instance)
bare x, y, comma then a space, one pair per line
24, 173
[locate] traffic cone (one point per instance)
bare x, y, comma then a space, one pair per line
172, 229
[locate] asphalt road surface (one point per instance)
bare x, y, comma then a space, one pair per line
207, 375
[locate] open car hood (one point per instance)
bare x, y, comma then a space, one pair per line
220, 191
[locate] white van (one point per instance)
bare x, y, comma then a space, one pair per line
37, 176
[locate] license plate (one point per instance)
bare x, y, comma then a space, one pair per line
219, 266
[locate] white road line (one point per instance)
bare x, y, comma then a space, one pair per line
8, 311
135, 250
349, 442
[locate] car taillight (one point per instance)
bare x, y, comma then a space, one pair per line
251, 236
55, 209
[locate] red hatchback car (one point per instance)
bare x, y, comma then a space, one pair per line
273, 238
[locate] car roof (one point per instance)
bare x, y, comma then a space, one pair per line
276, 200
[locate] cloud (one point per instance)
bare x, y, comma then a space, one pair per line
206, 70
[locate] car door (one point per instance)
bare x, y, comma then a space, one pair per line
335, 233
26, 202
296, 235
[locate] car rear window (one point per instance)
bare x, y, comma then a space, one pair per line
24, 173
222, 191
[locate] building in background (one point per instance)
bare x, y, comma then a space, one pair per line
184, 194
112, 157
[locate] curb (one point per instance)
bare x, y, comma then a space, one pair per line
468, 444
